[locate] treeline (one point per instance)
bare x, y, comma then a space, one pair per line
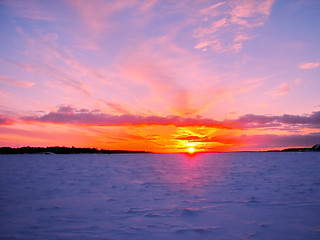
315, 148
60, 150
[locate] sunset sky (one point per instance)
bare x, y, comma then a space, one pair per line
160, 75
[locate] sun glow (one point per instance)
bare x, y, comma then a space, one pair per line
191, 150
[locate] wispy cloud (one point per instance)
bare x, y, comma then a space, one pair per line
24, 66
32, 9
97, 16
284, 88
309, 65
51, 71
117, 108
225, 25
16, 82
250, 13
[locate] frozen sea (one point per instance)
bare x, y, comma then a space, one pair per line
160, 196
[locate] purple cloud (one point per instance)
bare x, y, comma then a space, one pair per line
4, 121
259, 121
273, 141
70, 115
67, 114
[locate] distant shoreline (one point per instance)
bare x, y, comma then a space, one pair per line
314, 148
62, 150
74, 150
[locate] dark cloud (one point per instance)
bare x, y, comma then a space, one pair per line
67, 114
70, 115
271, 140
5, 121
259, 121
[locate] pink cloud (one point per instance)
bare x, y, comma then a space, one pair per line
16, 82
309, 65
116, 107
147, 5
68, 78
155, 67
96, 16
156, 71
284, 88
212, 10
224, 26
256, 10
5, 121
25, 66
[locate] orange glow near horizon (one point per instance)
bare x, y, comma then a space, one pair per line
208, 79
157, 139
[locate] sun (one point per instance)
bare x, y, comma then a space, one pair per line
191, 150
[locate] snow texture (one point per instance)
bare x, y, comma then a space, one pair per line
160, 196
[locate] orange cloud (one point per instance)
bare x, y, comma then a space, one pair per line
81, 127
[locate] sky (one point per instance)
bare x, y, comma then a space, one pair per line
160, 75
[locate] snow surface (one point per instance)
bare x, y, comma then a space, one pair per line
160, 196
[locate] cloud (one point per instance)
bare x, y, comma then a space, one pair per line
16, 82
250, 13
70, 115
262, 121
228, 142
309, 65
211, 10
157, 71
224, 26
69, 77
223, 139
32, 9
116, 107
264, 141
96, 16
284, 88
268, 141
5, 121
26, 67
